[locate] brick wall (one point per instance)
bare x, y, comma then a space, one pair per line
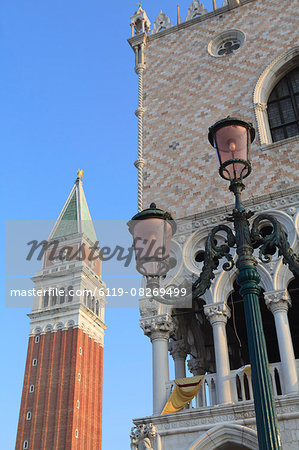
186, 90
57, 388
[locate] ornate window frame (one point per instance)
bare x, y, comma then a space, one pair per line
221, 38
273, 73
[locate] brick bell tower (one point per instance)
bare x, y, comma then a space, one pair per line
61, 406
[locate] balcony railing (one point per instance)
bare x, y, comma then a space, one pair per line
240, 384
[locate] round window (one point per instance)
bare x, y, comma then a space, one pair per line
226, 43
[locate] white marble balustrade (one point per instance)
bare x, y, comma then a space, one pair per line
240, 383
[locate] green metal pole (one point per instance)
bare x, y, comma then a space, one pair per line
248, 279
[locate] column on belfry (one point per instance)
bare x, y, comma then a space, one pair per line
178, 351
159, 329
278, 302
217, 314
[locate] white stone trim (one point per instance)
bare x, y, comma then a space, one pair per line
227, 433
160, 326
195, 9
162, 22
273, 73
74, 316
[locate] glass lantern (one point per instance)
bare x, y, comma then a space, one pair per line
152, 231
232, 138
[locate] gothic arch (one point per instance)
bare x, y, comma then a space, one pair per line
273, 73
242, 437
209, 297
224, 285
36, 330
266, 282
282, 276
48, 328
59, 326
195, 242
177, 271
287, 224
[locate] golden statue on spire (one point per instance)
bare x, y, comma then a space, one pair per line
80, 173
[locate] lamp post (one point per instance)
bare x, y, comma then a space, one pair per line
153, 228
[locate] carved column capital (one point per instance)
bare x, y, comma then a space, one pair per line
195, 366
139, 112
217, 313
260, 106
158, 327
139, 68
178, 349
277, 300
142, 436
139, 163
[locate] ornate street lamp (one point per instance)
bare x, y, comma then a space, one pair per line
152, 231
232, 138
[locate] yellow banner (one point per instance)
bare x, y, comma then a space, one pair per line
183, 393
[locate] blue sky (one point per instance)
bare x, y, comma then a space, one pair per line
68, 95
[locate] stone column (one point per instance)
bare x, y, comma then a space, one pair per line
217, 314
159, 329
278, 302
196, 367
179, 353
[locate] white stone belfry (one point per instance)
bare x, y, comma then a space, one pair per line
195, 9
71, 273
162, 22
